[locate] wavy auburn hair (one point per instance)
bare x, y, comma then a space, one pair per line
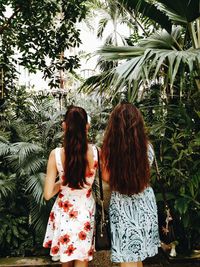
124, 150
75, 147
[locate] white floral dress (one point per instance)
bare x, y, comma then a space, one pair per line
70, 229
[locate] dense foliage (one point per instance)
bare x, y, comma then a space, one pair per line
30, 128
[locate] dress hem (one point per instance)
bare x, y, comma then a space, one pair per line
137, 259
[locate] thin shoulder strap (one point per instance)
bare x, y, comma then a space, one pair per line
58, 159
95, 152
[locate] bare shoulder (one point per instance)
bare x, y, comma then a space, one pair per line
90, 153
52, 155
90, 149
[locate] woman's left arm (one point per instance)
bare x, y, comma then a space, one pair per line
51, 187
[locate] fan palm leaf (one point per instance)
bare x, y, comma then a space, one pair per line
146, 60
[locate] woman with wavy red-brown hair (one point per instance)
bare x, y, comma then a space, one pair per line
126, 158
70, 228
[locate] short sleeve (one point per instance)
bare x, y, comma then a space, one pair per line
151, 154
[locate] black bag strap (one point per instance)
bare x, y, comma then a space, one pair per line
100, 176
101, 189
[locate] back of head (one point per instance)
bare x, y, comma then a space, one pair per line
125, 150
75, 147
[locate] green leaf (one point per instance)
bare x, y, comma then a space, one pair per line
182, 205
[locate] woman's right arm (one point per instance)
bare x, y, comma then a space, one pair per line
51, 187
105, 175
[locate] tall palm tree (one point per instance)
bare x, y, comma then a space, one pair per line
111, 16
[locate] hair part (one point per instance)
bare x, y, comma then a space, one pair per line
124, 150
75, 147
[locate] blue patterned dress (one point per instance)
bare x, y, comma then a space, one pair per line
134, 225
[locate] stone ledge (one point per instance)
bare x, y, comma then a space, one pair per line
101, 259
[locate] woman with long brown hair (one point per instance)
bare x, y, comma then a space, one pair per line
70, 228
126, 158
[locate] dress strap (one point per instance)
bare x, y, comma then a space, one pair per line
95, 152
58, 159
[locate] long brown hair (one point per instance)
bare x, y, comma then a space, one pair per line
75, 147
124, 150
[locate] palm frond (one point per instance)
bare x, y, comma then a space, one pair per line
97, 83
39, 215
31, 165
34, 186
148, 10
102, 24
24, 149
4, 147
173, 16
7, 184
187, 9
150, 56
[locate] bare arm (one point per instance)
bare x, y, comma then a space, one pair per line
51, 187
105, 173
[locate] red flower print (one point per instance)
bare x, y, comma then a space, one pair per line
54, 250
64, 239
87, 226
91, 252
54, 226
66, 205
70, 250
48, 244
95, 164
73, 214
60, 204
60, 195
82, 235
89, 193
51, 216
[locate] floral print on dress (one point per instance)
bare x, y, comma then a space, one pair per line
70, 229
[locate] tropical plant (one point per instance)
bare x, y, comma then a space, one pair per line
164, 55
13, 231
174, 131
27, 136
